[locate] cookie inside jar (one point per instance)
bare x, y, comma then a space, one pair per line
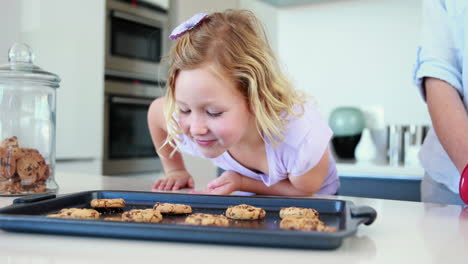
22, 170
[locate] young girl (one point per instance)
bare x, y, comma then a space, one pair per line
227, 101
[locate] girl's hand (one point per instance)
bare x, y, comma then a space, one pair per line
225, 184
174, 181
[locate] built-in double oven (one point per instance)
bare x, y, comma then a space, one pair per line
135, 75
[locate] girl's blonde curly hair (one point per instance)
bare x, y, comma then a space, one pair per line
235, 41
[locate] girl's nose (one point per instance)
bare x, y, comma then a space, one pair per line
198, 126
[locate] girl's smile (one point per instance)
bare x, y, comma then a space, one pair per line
205, 143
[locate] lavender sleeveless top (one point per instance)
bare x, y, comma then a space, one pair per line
306, 139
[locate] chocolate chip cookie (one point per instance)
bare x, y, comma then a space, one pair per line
108, 203
245, 212
31, 167
207, 220
11, 142
11, 186
142, 215
322, 227
7, 163
22, 170
306, 212
302, 223
170, 208
79, 213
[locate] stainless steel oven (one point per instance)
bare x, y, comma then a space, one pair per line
136, 38
127, 143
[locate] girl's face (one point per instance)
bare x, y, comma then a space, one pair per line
212, 112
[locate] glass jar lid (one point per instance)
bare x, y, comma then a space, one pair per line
21, 68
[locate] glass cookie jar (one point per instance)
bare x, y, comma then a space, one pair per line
27, 125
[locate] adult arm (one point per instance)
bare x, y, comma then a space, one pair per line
449, 119
438, 74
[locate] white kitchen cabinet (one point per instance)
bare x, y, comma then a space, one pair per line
67, 38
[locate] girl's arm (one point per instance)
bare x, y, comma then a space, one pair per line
176, 174
304, 185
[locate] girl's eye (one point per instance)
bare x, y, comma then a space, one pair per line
183, 111
214, 114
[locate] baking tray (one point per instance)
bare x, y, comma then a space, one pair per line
27, 214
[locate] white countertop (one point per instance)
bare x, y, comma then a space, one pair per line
373, 170
404, 232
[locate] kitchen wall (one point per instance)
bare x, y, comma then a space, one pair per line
8, 13
67, 38
355, 52
181, 10
70, 44
268, 15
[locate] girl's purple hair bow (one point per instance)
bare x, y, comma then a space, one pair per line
187, 25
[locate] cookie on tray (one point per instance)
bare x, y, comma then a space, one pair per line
108, 206
322, 227
207, 220
295, 222
306, 212
245, 212
170, 208
142, 215
108, 203
79, 213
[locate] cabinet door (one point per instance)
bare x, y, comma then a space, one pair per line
382, 188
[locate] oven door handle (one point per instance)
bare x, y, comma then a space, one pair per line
137, 19
126, 100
